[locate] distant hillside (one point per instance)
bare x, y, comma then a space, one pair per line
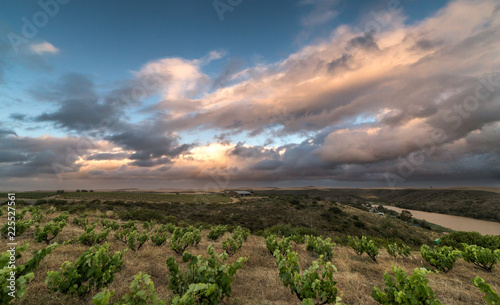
469, 203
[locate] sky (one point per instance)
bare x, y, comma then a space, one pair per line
232, 93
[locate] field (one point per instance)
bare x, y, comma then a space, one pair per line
145, 197
257, 282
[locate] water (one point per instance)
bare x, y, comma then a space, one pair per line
457, 223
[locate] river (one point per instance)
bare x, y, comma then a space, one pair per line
457, 223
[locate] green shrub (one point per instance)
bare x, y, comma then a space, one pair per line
94, 269
482, 257
273, 244
113, 225
48, 232
166, 228
217, 232
81, 221
320, 246
412, 289
396, 250
184, 237
364, 245
442, 258
456, 239
288, 230
20, 227
36, 214
194, 293
233, 244
130, 225
489, 295
136, 240
159, 239
91, 237
62, 217
203, 270
23, 273
149, 225
315, 283
141, 292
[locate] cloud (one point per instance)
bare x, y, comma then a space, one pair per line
44, 156
43, 48
18, 116
80, 108
322, 11
351, 107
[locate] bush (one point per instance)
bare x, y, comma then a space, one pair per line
23, 273
159, 239
90, 237
184, 237
320, 246
203, 270
217, 232
288, 230
149, 225
412, 289
130, 225
166, 228
136, 240
362, 245
442, 258
141, 292
20, 226
62, 217
490, 296
273, 244
456, 239
113, 225
194, 292
359, 224
482, 257
48, 232
233, 244
315, 283
94, 269
396, 250
81, 221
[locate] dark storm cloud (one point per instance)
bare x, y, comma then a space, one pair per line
79, 106
108, 156
150, 141
341, 62
267, 165
365, 41
151, 162
29, 157
79, 115
6, 132
18, 116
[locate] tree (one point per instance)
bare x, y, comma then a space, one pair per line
405, 216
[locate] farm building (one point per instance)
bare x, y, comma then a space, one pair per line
238, 193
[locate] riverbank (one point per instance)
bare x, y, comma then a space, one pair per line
457, 223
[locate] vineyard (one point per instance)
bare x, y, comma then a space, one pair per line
134, 197
94, 257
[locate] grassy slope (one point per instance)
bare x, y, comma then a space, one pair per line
257, 282
259, 214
